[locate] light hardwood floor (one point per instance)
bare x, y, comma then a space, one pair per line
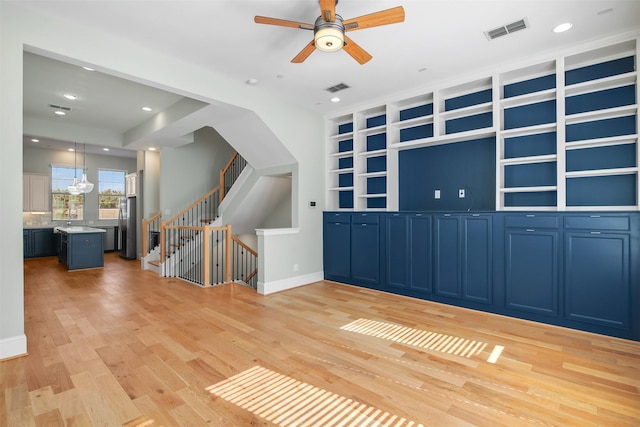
122, 347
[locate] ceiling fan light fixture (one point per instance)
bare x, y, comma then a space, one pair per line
329, 36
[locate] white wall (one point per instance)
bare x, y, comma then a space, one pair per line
19, 28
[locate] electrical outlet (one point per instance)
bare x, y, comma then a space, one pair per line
461, 193
436, 194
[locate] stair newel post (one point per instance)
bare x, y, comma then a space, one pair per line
163, 240
145, 237
206, 255
228, 254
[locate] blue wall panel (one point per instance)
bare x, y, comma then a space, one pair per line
530, 145
345, 162
538, 198
377, 185
530, 175
346, 145
376, 164
463, 124
345, 199
345, 128
419, 111
449, 167
468, 100
377, 203
380, 120
416, 132
528, 86
376, 142
345, 180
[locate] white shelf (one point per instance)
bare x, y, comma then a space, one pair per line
609, 113
372, 174
416, 121
601, 84
374, 153
472, 110
528, 189
602, 172
372, 196
342, 154
530, 208
340, 171
342, 136
529, 98
529, 160
602, 142
341, 189
373, 131
529, 130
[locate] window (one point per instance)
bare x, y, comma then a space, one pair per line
111, 189
64, 206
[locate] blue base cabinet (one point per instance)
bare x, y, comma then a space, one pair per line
577, 270
39, 242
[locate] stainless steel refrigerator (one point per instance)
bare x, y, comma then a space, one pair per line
127, 227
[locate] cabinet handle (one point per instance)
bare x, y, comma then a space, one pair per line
594, 216
447, 214
475, 214
596, 232
418, 214
530, 216
530, 230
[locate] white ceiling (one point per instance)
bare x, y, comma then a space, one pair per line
439, 39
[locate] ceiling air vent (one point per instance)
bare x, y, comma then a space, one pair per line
337, 88
58, 107
506, 29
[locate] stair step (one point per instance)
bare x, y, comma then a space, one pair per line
155, 262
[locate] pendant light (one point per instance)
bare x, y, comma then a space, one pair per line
73, 188
84, 186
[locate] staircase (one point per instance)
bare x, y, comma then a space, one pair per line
190, 247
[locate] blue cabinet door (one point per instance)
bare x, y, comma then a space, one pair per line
408, 254
26, 243
85, 250
337, 247
531, 282
597, 279
43, 242
366, 248
477, 259
447, 266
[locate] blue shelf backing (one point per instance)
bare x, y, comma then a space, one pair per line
376, 164
617, 126
467, 123
376, 142
377, 185
345, 145
345, 163
530, 115
416, 132
539, 144
345, 199
415, 112
612, 190
538, 198
601, 70
530, 86
376, 121
345, 180
530, 175
345, 128
609, 157
376, 203
468, 100
600, 100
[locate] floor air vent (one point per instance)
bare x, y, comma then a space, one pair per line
506, 29
337, 88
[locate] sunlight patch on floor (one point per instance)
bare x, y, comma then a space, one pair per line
286, 401
420, 338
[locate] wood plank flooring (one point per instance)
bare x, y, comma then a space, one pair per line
122, 347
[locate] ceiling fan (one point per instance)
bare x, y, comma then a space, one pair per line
329, 29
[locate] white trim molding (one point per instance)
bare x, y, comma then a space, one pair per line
289, 283
13, 346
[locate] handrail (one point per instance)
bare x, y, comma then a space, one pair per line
230, 174
245, 262
244, 245
147, 225
223, 172
193, 205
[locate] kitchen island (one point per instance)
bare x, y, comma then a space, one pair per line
80, 247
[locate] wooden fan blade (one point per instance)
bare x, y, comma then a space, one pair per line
282, 22
328, 10
384, 17
356, 52
304, 53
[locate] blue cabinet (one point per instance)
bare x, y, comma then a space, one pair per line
598, 287
337, 246
409, 252
81, 250
366, 245
463, 257
39, 242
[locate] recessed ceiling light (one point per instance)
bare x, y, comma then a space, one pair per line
70, 96
152, 149
71, 149
88, 68
563, 27
335, 99
59, 113
35, 140
252, 82
105, 149
147, 109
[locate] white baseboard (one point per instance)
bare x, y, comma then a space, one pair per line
292, 282
13, 346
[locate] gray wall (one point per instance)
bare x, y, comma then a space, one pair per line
40, 160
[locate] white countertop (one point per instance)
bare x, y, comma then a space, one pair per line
78, 229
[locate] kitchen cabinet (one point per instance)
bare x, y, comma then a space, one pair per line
81, 247
366, 245
463, 257
337, 246
597, 270
39, 242
131, 184
409, 252
36, 192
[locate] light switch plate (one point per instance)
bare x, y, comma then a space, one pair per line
461, 193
